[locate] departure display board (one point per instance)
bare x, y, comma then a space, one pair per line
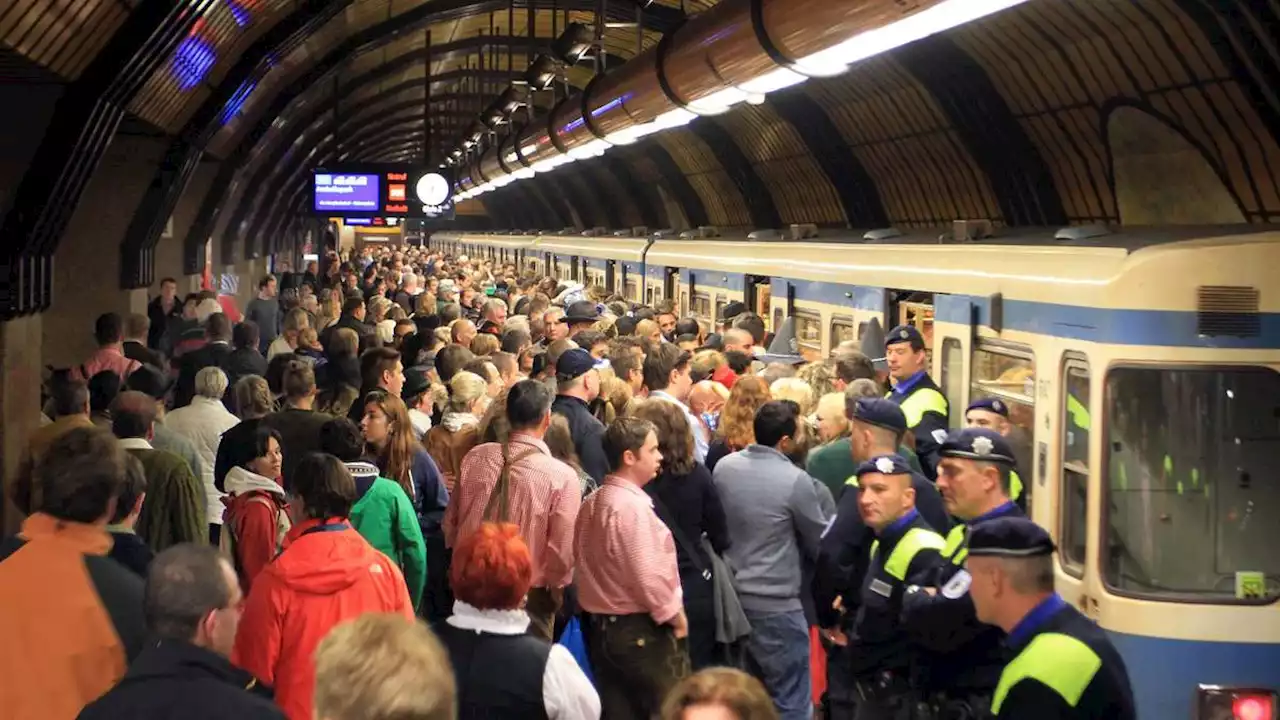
343, 192
379, 190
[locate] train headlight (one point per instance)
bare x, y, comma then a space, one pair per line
1225, 703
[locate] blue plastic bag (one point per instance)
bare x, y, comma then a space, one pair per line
573, 641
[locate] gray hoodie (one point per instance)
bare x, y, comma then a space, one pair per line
775, 520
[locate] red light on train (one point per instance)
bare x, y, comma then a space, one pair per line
1253, 707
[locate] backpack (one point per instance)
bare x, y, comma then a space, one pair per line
227, 541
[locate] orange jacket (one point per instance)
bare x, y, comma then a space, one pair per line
71, 619
326, 574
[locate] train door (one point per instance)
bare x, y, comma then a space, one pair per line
669, 281
757, 291
1073, 497
907, 307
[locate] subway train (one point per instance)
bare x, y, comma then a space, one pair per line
1141, 367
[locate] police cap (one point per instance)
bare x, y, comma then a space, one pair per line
881, 413
885, 465
990, 404
1009, 536
905, 334
977, 444
574, 363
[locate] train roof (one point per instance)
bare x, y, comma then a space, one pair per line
1128, 239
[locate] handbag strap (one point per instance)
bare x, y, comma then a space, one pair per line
689, 549
500, 497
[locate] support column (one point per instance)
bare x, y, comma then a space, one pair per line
20, 383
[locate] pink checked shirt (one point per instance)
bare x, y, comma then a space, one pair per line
543, 500
626, 555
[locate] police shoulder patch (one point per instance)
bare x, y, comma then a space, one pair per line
939, 436
957, 586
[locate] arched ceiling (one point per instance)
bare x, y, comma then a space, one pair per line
1010, 118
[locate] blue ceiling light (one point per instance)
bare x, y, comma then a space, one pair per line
240, 11
193, 59
236, 103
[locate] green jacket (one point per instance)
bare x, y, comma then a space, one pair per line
832, 464
384, 515
175, 506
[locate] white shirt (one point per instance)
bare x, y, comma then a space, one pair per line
203, 422
700, 442
567, 694
279, 346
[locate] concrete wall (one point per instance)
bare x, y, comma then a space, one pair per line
169, 250
86, 277
20, 382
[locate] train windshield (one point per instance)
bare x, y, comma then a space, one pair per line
1193, 494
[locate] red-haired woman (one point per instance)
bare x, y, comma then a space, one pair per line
502, 671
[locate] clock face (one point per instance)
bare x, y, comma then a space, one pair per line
432, 189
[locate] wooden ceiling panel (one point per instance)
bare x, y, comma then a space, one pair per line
1062, 66
799, 187
62, 35
722, 199
895, 128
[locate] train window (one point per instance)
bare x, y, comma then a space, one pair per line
841, 330
1191, 457
953, 376
808, 334
1008, 373
701, 305
720, 303
1075, 465
632, 291
777, 318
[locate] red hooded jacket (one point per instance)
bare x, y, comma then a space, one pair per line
326, 574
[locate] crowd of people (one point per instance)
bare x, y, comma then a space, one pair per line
600, 509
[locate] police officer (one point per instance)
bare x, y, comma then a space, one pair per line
922, 402
906, 551
964, 656
993, 413
876, 428
1063, 666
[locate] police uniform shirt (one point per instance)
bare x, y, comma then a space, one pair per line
965, 656
905, 553
926, 409
843, 550
1064, 667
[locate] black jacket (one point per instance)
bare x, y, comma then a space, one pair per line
692, 504
300, 434
175, 680
214, 354
132, 552
160, 320
137, 351
588, 435
243, 362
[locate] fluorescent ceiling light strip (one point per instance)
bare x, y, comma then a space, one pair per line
944, 16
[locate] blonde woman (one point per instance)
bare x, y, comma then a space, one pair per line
459, 428
797, 391
737, 419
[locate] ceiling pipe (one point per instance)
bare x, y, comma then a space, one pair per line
737, 51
